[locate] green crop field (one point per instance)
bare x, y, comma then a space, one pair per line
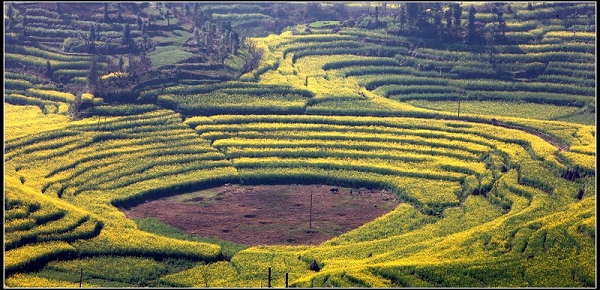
478, 116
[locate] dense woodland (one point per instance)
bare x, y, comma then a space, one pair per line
479, 116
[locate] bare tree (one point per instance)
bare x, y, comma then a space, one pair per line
74, 111
256, 54
93, 75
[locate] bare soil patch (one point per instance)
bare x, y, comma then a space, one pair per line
269, 214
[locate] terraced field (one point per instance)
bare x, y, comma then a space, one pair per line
500, 192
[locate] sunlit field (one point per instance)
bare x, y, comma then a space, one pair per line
478, 117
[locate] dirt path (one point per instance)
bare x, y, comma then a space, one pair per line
269, 214
562, 146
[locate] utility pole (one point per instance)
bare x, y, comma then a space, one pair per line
310, 218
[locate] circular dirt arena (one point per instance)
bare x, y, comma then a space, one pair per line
269, 214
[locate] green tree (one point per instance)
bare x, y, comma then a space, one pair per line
106, 17
93, 75
471, 24
120, 17
340, 10
145, 45
48, 69
448, 17
402, 16
97, 32
312, 11
9, 14
437, 22
92, 34
413, 15
196, 35
121, 63
437, 19
24, 20
126, 39
24, 23
501, 33
457, 9
490, 42
92, 47
139, 22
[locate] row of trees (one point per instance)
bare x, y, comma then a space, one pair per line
444, 20
211, 40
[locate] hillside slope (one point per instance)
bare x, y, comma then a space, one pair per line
479, 117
